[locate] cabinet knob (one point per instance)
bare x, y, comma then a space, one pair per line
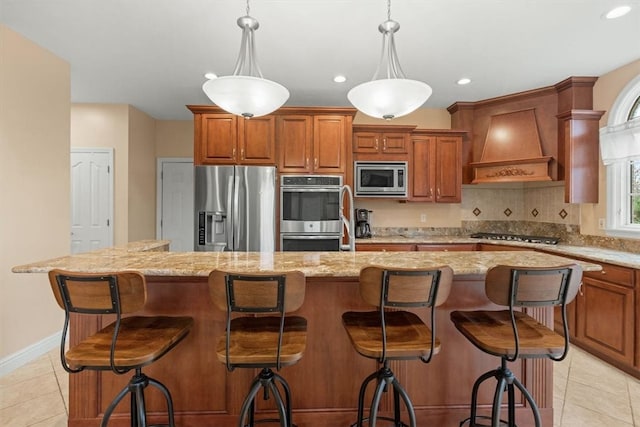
242, 154
431, 192
233, 154
438, 191
376, 144
384, 144
315, 162
306, 163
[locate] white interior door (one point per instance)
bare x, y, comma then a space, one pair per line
91, 199
175, 203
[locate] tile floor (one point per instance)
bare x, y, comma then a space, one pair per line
587, 393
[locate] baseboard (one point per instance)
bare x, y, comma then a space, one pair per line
26, 355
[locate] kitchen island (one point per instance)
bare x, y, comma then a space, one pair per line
325, 382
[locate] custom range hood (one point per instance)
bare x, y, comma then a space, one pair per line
512, 150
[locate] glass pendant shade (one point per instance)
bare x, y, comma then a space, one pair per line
395, 95
246, 93
246, 96
389, 98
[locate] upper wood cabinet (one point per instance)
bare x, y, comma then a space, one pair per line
297, 139
568, 133
436, 167
226, 139
380, 141
313, 143
295, 143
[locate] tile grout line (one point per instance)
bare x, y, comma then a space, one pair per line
55, 374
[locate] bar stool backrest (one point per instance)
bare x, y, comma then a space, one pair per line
406, 287
532, 286
261, 292
98, 293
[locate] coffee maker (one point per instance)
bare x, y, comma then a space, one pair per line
363, 228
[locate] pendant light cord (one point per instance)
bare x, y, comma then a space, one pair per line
388, 10
248, 8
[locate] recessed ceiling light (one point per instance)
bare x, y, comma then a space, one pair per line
617, 12
211, 76
464, 81
339, 78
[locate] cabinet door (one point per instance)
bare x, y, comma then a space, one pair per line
605, 319
257, 140
448, 167
366, 142
329, 144
394, 143
295, 135
216, 139
422, 171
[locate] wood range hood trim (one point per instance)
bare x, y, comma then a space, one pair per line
512, 151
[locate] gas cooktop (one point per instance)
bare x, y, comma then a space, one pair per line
516, 238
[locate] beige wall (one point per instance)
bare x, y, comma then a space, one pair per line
605, 92
142, 176
34, 186
174, 138
107, 125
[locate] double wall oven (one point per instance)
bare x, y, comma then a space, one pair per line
310, 213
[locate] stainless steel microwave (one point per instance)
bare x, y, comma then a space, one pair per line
380, 179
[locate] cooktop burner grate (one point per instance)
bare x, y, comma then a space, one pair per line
517, 238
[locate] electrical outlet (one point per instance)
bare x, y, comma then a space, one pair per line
423, 217
601, 223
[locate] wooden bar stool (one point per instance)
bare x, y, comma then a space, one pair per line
391, 333
512, 334
128, 343
259, 335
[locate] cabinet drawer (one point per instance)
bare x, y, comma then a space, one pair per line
384, 247
612, 274
447, 247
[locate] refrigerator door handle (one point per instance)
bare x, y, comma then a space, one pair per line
237, 245
230, 218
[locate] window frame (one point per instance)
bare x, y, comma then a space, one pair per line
618, 174
619, 221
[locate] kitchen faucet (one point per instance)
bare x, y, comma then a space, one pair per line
349, 224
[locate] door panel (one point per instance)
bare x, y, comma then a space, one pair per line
176, 204
91, 199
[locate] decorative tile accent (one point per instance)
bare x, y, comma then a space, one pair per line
563, 214
535, 212
508, 212
477, 212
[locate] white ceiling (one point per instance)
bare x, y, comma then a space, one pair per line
152, 54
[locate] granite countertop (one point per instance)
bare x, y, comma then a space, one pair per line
595, 254
148, 258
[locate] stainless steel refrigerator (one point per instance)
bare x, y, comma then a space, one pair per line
235, 208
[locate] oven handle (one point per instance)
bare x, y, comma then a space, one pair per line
310, 190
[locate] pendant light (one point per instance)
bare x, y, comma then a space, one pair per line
392, 95
246, 93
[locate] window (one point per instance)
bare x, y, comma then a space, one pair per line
620, 150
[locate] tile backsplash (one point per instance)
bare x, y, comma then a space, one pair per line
543, 203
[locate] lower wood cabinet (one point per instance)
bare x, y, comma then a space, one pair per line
605, 318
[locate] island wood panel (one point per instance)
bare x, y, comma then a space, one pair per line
324, 383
